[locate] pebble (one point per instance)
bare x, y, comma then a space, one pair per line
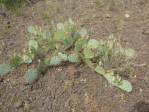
127, 15
108, 16
59, 69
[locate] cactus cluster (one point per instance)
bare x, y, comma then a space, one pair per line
68, 43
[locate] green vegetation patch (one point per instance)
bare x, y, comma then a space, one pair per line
12, 5
67, 43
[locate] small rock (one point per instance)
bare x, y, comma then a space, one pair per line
127, 15
83, 80
141, 90
59, 69
26, 104
108, 16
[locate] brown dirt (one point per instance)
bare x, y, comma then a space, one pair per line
75, 88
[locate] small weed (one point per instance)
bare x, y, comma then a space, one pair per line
101, 3
67, 43
12, 5
109, 4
